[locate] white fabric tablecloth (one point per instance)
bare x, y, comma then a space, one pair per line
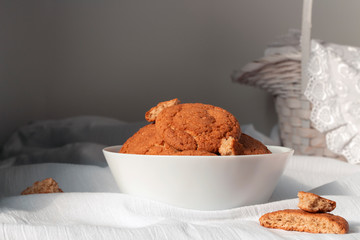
92, 207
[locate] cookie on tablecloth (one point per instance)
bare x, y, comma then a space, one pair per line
48, 185
311, 202
299, 220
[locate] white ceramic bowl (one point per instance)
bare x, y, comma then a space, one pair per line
199, 182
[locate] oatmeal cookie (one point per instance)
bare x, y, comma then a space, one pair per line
196, 126
146, 141
48, 185
299, 220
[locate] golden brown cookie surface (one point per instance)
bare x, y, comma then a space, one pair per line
195, 153
196, 126
251, 146
146, 141
299, 220
161, 149
48, 185
311, 202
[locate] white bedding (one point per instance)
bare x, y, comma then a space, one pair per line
93, 208
76, 140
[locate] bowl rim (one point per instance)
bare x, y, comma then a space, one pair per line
279, 151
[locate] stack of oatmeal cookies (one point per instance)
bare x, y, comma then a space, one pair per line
312, 216
191, 129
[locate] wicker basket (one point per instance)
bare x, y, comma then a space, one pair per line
281, 75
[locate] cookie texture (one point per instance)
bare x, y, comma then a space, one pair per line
152, 114
230, 146
48, 185
251, 146
311, 202
196, 126
195, 153
299, 220
147, 141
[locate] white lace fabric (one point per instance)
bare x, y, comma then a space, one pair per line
334, 91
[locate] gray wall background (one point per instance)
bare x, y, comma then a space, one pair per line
118, 58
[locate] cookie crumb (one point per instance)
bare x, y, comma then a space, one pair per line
230, 146
48, 185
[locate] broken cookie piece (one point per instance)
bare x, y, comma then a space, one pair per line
313, 203
251, 146
299, 220
230, 146
48, 185
152, 114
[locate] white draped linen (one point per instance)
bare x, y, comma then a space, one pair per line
93, 208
